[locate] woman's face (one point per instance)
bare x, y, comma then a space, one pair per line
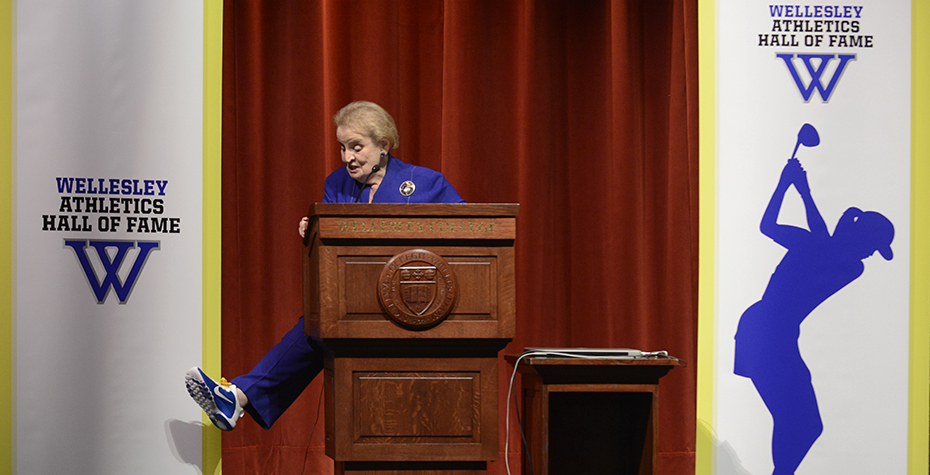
359, 153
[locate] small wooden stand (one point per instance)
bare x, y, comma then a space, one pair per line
591, 416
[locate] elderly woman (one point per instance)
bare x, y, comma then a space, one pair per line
366, 135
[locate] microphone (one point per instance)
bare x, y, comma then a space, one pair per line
374, 170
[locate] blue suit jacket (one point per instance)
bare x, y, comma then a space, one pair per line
429, 186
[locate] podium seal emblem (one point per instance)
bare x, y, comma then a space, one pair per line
417, 289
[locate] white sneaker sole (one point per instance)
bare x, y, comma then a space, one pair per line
201, 394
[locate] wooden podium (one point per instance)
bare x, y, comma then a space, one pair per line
413, 303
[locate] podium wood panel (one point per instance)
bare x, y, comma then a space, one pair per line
349, 306
402, 409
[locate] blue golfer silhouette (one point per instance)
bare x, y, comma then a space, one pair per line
816, 266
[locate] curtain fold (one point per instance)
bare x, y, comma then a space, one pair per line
584, 112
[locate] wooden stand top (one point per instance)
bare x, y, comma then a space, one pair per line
595, 361
564, 370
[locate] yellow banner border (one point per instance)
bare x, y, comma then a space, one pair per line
707, 199
212, 215
7, 237
919, 372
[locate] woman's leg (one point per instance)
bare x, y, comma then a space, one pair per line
789, 396
281, 375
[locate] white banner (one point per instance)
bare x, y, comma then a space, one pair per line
108, 176
812, 254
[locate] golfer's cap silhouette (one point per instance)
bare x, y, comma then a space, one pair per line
881, 230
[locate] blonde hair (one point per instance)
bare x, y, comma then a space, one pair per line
369, 119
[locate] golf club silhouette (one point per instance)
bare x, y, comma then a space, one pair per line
808, 137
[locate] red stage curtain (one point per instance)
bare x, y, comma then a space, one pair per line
582, 111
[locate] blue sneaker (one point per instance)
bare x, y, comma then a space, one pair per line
220, 403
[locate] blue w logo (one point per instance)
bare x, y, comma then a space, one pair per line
816, 73
111, 265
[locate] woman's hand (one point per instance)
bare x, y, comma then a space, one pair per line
800, 178
302, 227
794, 174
